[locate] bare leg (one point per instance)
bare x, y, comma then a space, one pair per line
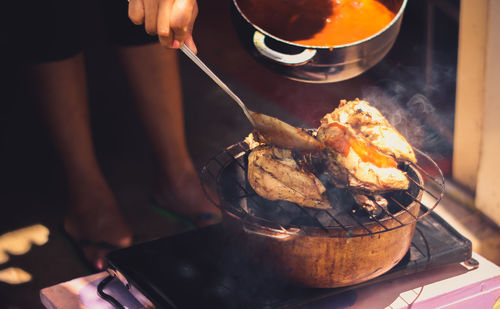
93, 214
155, 79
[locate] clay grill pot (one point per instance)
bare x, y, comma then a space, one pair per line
327, 261
323, 257
331, 258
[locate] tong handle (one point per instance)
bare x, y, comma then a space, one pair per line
217, 80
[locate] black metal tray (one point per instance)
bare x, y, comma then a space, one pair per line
202, 268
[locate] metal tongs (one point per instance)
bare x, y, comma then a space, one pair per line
273, 130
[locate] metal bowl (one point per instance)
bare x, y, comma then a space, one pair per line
317, 64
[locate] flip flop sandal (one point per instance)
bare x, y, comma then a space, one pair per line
189, 221
79, 246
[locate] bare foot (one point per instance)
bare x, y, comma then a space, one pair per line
189, 199
95, 222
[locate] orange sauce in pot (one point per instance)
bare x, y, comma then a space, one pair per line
351, 21
318, 22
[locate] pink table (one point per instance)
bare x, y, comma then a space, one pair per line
451, 286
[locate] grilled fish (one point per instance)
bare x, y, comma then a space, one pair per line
275, 132
275, 175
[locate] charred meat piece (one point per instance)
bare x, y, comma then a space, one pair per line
354, 163
367, 121
275, 175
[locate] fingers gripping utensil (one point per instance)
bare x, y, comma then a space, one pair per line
273, 130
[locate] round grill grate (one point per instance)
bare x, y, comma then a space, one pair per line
225, 183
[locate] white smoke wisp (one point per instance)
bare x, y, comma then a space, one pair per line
399, 116
415, 118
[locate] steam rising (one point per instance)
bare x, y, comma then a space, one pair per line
415, 118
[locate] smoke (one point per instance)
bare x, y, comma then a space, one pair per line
388, 102
419, 104
414, 116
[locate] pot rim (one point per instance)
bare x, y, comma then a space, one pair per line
389, 25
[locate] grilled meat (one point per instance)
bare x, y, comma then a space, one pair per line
355, 148
367, 121
354, 163
275, 175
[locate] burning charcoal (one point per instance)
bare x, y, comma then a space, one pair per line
306, 219
374, 206
289, 211
340, 199
326, 219
381, 201
280, 212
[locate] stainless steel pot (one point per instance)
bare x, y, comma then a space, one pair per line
317, 64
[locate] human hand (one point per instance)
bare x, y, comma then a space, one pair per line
171, 20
